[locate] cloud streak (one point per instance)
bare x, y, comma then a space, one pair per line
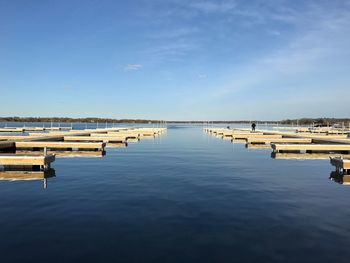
213, 6
132, 67
313, 52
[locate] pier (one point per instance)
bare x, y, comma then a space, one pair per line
95, 138
26, 175
264, 140
60, 145
43, 162
301, 143
342, 148
37, 147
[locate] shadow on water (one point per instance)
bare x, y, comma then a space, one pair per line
340, 178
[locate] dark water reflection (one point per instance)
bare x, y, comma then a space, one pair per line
181, 197
340, 178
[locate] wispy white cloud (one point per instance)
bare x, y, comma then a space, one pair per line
274, 32
132, 67
175, 50
314, 51
178, 32
217, 6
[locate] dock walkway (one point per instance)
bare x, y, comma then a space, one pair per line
343, 148
61, 145
42, 161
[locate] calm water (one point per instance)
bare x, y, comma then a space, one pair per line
183, 197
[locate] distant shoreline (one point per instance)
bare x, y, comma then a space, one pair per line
302, 121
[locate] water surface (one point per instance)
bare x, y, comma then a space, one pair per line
182, 197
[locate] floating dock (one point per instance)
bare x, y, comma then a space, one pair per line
27, 129
264, 140
260, 136
304, 144
39, 148
94, 139
11, 130
63, 153
116, 135
344, 148
26, 175
290, 155
61, 145
43, 162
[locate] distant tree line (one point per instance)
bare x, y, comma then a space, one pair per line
66, 119
318, 121
302, 121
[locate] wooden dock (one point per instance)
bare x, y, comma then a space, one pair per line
11, 130
38, 148
28, 129
61, 145
289, 155
26, 175
257, 146
248, 136
303, 144
231, 134
63, 154
94, 139
264, 140
344, 148
305, 135
117, 145
42, 161
117, 135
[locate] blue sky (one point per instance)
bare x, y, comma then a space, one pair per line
175, 59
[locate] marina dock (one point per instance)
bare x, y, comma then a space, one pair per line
26, 175
43, 162
27, 129
95, 139
37, 147
264, 140
61, 145
301, 143
298, 155
342, 148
